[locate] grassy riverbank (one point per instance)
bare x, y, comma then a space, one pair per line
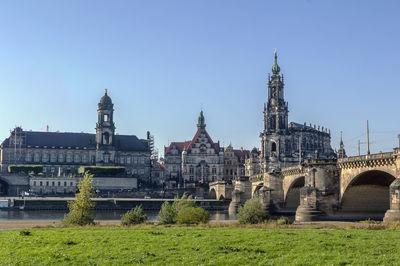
198, 245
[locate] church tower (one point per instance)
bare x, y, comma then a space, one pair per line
341, 152
105, 128
275, 109
275, 133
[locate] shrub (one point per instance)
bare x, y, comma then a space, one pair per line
81, 210
167, 214
193, 215
134, 216
252, 212
25, 233
102, 170
170, 213
25, 169
283, 221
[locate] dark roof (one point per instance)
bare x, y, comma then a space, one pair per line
298, 127
80, 140
131, 143
105, 100
242, 153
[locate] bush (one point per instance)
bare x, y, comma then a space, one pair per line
193, 215
283, 221
25, 233
171, 213
134, 216
81, 210
102, 170
25, 169
252, 212
167, 214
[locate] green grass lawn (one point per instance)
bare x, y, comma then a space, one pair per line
198, 245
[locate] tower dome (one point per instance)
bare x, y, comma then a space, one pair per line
105, 101
275, 68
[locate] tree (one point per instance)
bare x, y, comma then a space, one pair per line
81, 210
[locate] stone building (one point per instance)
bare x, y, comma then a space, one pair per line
253, 163
234, 161
284, 144
201, 159
61, 154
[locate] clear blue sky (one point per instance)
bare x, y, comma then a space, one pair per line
164, 60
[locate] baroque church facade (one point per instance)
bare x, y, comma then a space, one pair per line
63, 153
285, 144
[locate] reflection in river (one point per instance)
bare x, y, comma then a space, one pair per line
100, 215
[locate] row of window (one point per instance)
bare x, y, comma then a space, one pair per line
133, 160
54, 157
53, 183
77, 158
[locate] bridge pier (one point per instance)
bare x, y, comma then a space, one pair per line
273, 181
393, 214
265, 194
308, 209
236, 201
319, 196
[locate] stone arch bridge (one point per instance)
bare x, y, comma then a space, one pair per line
354, 188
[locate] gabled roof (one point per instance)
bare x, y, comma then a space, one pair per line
187, 145
197, 135
179, 146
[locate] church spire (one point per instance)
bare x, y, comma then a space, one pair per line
341, 152
275, 68
201, 122
341, 139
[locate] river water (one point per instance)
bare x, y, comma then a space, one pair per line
100, 215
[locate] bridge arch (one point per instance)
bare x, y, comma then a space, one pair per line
257, 189
212, 194
292, 195
367, 194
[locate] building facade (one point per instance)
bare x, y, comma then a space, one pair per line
284, 144
201, 159
61, 154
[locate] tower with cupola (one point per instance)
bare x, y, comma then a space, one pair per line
105, 127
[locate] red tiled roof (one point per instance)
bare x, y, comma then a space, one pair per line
179, 145
197, 135
189, 144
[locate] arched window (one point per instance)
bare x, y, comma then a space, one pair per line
273, 147
106, 138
